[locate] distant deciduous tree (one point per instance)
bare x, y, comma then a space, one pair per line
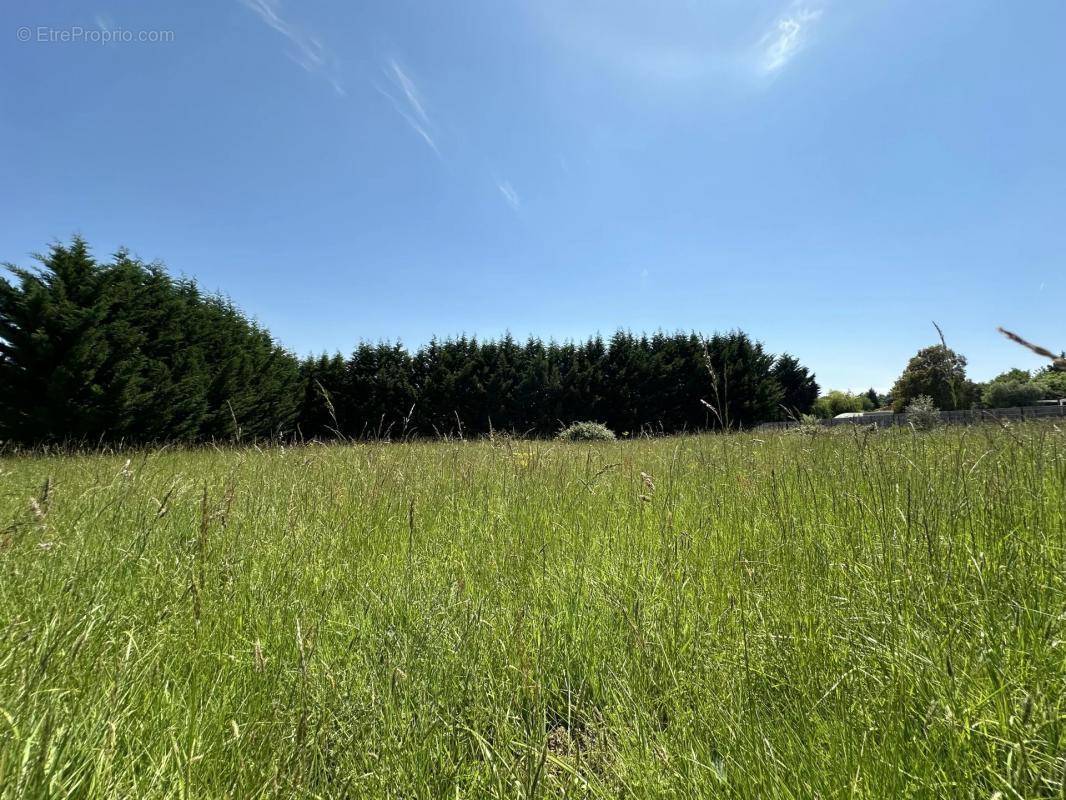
938, 373
837, 402
1014, 375
1008, 394
1052, 383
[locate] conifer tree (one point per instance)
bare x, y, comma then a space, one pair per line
119, 351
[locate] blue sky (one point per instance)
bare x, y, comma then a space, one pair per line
828, 176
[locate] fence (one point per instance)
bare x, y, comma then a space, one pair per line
968, 417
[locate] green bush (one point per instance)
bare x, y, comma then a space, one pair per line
586, 432
922, 413
1008, 394
809, 426
1052, 383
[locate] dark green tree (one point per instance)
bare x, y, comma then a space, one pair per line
937, 372
119, 352
799, 390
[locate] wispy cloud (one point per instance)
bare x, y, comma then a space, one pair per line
408, 102
787, 36
509, 194
305, 49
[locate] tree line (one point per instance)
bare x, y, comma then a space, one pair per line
120, 351
939, 373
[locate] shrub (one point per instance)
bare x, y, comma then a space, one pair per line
586, 432
1008, 394
1052, 383
922, 413
809, 426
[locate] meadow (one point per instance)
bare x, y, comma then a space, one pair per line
850, 614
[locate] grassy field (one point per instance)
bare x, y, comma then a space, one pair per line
848, 615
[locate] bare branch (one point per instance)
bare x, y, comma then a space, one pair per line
942, 340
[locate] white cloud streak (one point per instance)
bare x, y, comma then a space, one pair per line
410, 104
305, 49
509, 194
787, 36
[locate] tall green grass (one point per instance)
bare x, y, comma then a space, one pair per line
852, 615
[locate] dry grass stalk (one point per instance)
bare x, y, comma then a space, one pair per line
1058, 362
